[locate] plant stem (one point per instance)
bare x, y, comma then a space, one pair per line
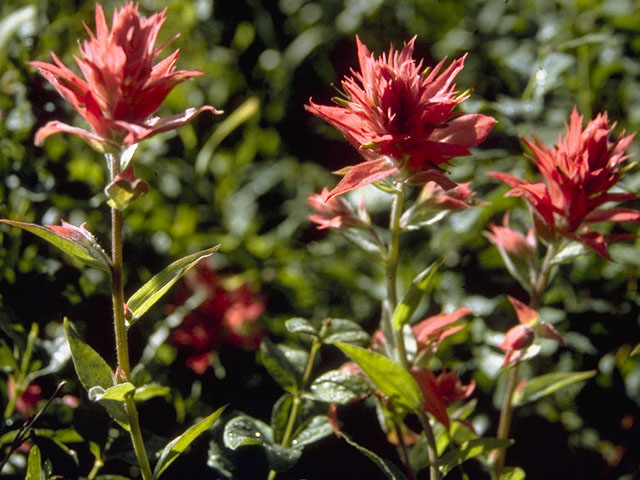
392, 297
122, 345
297, 396
504, 424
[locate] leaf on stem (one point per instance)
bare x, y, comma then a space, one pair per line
243, 430
338, 386
544, 385
277, 363
407, 307
152, 291
314, 429
389, 377
300, 325
280, 416
34, 465
118, 393
470, 449
179, 444
346, 331
75, 241
93, 371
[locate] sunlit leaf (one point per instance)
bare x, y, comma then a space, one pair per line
34, 465
75, 241
300, 325
93, 371
154, 289
470, 449
389, 377
118, 393
409, 304
544, 385
149, 391
179, 444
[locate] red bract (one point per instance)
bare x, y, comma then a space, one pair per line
400, 118
120, 88
431, 331
578, 173
333, 213
451, 388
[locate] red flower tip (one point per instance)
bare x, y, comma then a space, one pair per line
120, 87
526, 315
332, 212
401, 119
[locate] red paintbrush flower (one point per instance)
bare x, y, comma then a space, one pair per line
400, 118
120, 88
578, 173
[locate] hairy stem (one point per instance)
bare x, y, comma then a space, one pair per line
122, 345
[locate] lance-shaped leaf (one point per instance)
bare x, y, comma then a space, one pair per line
300, 325
150, 292
347, 331
34, 465
389, 377
409, 304
93, 371
544, 385
338, 386
470, 449
179, 444
75, 241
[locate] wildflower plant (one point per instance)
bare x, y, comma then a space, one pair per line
119, 91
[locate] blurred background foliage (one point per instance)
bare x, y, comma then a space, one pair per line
242, 179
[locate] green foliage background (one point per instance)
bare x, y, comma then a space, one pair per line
242, 180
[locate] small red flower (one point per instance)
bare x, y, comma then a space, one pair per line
120, 88
451, 388
578, 173
400, 118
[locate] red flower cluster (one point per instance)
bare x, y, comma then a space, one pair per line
231, 313
332, 213
400, 117
578, 173
120, 88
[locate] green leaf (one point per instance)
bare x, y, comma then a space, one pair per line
7, 362
179, 444
390, 470
278, 365
513, 473
150, 292
34, 465
389, 377
407, 307
569, 253
280, 416
243, 430
338, 386
314, 429
149, 391
118, 393
470, 449
544, 385
346, 331
300, 325
93, 371
75, 241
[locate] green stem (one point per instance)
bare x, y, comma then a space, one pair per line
392, 297
297, 396
504, 424
122, 345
